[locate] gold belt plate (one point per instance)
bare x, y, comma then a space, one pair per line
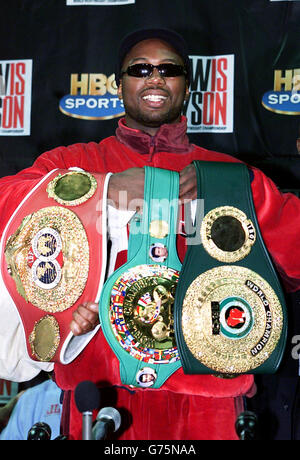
231, 319
48, 257
45, 338
141, 312
227, 234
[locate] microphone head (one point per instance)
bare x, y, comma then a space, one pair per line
110, 414
87, 396
246, 425
40, 431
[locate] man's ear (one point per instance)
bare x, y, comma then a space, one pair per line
120, 91
187, 92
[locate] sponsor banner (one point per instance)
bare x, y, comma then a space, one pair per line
210, 105
92, 97
7, 390
285, 97
15, 97
99, 2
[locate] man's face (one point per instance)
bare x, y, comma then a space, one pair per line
160, 252
149, 102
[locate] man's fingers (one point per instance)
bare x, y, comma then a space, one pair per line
85, 318
126, 189
188, 183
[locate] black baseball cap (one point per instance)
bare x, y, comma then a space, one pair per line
167, 35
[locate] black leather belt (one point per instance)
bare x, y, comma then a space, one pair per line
230, 314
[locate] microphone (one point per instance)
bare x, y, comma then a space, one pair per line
40, 431
87, 398
108, 420
245, 426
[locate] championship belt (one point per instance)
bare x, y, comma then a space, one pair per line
136, 304
230, 314
53, 258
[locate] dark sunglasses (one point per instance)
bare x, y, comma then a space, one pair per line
145, 70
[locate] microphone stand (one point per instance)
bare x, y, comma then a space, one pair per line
87, 425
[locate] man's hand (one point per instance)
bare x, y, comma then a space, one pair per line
126, 189
188, 183
85, 318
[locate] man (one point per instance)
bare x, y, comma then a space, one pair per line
40, 403
154, 133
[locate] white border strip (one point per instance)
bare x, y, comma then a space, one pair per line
73, 345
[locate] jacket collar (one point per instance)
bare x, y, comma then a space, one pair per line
169, 138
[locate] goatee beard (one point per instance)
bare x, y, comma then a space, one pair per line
156, 121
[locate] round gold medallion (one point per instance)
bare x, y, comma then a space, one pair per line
227, 234
72, 188
44, 339
158, 229
231, 319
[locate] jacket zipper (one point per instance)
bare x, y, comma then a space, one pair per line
152, 147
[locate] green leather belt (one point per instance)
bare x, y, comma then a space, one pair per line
229, 312
136, 304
